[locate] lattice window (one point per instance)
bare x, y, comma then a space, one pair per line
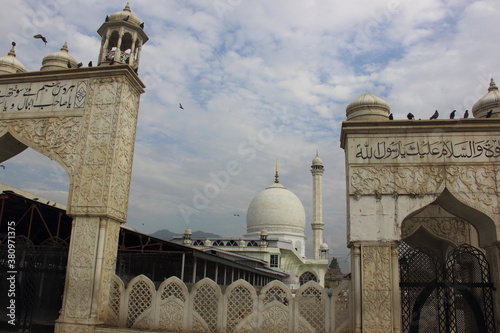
239, 305
218, 243
275, 293
172, 289
306, 277
252, 243
311, 304
205, 303
139, 300
115, 294
198, 242
232, 243
342, 305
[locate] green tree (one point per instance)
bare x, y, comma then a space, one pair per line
334, 264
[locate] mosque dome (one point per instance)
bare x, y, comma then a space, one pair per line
490, 101
277, 210
368, 107
58, 60
317, 161
125, 15
9, 64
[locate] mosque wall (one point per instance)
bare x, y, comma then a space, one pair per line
397, 173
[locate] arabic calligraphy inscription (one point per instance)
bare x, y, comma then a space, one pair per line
43, 96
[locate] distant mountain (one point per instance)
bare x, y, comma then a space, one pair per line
168, 235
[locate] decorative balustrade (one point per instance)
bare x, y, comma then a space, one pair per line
240, 308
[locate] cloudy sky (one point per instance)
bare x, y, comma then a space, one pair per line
259, 81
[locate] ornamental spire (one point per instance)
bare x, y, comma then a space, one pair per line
276, 177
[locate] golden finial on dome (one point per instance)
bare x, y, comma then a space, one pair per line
276, 176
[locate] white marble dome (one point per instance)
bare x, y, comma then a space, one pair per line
125, 15
489, 102
9, 64
368, 107
276, 210
58, 60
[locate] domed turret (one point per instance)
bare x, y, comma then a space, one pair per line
9, 64
368, 107
487, 103
317, 161
59, 60
122, 39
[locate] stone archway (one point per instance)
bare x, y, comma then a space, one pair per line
85, 120
395, 171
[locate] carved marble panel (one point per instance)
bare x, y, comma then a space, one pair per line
453, 229
376, 272
57, 138
389, 180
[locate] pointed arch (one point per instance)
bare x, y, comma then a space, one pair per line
481, 220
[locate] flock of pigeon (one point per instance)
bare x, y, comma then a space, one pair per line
410, 115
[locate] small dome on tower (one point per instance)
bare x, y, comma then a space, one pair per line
490, 101
125, 15
324, 247
122, 36
59, 60
368, 107
317, 160
9, 64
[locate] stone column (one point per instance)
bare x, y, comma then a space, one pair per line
356, 287
377, 287
91, 262
98, 196
396, 290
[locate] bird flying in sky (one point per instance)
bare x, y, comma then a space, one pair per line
180, 106
38, 36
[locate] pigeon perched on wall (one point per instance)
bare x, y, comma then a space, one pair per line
452, 114
435, 115
466, 114
391, 117
488, 115
410, 116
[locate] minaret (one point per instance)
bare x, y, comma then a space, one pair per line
122, 39
317, 223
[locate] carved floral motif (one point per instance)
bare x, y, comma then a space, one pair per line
376, 277
453, 229
57, 138
389, 180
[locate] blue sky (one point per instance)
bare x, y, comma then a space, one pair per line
259, 80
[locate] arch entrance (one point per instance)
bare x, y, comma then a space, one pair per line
417, 191
445, 282
84, 118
